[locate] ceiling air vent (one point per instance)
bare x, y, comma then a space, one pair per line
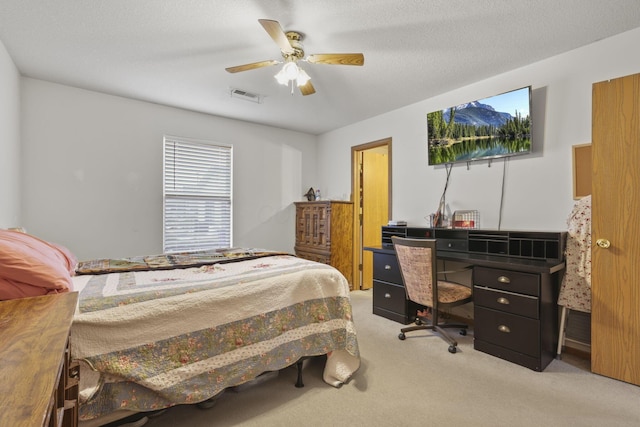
247, 96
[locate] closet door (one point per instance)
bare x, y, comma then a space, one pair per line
615, 284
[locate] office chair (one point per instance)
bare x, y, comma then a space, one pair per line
418, 266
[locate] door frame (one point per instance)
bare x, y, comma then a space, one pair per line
356, 186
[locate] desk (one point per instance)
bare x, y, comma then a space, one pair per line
515, 301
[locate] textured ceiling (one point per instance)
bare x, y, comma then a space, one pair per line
175, 52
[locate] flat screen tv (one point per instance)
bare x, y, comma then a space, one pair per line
489, 128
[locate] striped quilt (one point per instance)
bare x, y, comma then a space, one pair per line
153, 339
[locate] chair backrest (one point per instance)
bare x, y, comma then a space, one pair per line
417, 261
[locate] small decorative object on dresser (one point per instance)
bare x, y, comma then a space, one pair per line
324, 233
310, 195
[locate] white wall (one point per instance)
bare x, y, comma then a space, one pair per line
538, 187
92, 163
92, 171
9, 141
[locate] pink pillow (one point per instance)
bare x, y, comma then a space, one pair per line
32, 267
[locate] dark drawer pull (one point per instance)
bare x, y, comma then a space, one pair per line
387, 295
504, 328
387, 267
503, 300
504, 279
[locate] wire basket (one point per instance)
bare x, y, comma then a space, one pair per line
466, 219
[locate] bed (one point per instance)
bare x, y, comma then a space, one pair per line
157, 331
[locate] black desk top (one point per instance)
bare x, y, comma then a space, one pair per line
493, 261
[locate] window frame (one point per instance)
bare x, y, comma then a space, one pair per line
209, 197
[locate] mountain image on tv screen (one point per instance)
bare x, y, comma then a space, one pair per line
490, 128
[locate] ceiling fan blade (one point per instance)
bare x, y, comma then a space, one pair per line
252, 66
277, 34
307, 89
337, 58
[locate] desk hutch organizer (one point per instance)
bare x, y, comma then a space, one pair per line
516, 277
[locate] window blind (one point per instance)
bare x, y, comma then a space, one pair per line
196, 195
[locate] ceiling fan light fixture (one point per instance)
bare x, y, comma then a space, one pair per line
303, 77
290, 44
282, 78
288, 72
291, 72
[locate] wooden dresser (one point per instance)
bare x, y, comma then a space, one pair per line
324, 233
39, 385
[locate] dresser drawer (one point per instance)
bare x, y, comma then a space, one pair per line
507, 280
510, 331
313, 256
386, 268
389, 297
523, 305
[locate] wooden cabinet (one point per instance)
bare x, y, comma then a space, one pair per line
324, 233
515, 315
39, 384
615, 275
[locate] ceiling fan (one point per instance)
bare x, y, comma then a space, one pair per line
290, 44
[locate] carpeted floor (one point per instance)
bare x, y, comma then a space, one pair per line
417, 382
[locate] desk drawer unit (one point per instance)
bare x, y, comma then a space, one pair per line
386, 268
508, 302
389, 296
390, 301
507, 280
509, 331
512, 316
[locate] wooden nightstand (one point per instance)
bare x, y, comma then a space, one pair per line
39, 384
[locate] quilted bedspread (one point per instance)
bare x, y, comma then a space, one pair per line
152, 339
171, 260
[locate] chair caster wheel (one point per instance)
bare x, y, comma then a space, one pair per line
463, 332
402, 336
452, 349
418, 322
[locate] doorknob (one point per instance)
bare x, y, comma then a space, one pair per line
603, 243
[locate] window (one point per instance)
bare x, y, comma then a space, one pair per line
196, 195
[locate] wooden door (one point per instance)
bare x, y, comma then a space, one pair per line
371, 184
615, 285
375, 206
